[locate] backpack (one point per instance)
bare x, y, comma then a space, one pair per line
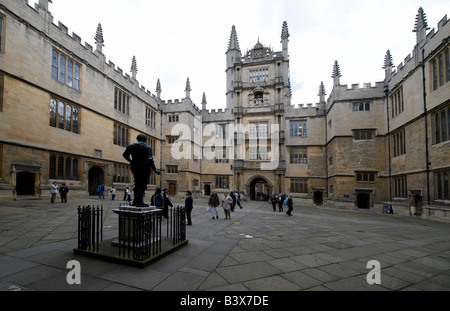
286, 201
158, 200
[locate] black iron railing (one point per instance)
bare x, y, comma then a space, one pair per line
140, 232
90, 227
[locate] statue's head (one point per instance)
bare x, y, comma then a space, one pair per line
141, 138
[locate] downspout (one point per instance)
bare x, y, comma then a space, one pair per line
427, 153
386, 91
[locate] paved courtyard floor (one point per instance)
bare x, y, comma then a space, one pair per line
317, 249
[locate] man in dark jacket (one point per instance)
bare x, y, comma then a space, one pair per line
189, 205
141, 166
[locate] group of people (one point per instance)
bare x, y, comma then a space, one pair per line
229, 201
55, 189
281, 200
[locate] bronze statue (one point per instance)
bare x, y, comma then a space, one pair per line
141, 166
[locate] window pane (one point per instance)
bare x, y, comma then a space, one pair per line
52, 167
76, 82
52, 112
447, 64
68, 118
75, 169
61, 115
60, 168
75, 121
69, 72
68, 168
62, 68
444, 125
54, 64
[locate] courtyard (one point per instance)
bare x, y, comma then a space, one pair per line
318, 249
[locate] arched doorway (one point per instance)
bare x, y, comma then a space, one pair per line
25, 183
172, 189
363, 200
96, 177
259, 189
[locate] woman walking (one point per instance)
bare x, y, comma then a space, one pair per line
213, 203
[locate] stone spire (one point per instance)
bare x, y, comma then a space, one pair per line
99, 42
158, 89
336, 74
421, 26
388, 64
188, 88
204, 103
134, 68
322, 92
285, 39
233, 44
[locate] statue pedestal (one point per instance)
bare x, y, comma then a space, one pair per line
137, 226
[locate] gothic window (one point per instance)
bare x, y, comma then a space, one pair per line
298, 155
121, 101
440, 69
63, 168
259, 75
399, 143
365, 177
64, 116
397, 102
441, 124
172, 169
299, 185
222, 182
121, 135
65, 70
400, 187
298, 128
361, 107
259, 129
1, 33
150, 118
363, 135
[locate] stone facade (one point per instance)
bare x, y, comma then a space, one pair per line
67, 114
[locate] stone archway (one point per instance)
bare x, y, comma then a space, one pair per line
264, 187
96, 177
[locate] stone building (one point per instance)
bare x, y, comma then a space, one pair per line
67, 114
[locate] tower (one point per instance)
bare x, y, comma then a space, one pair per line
233, 54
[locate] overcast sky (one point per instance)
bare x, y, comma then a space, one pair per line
176, 39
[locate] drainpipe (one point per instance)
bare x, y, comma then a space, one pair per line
427, 153
386, 91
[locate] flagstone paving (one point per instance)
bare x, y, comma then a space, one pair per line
257, 250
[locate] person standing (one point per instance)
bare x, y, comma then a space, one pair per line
280, 201
113, 192
238, 199
234, 201
227, 202
166, 203
189, 205
128, 195
213, 203
101, 191
290, 205
63, 192
273, 200
53, 191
